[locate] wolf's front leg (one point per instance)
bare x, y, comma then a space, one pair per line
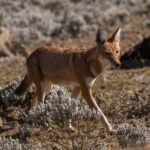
75, 94
87, 95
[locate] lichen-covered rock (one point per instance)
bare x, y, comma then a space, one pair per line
132, 135
58, 105
14, 144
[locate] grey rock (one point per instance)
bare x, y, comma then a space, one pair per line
131, 135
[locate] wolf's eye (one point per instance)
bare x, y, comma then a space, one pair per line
107, 53
117, 52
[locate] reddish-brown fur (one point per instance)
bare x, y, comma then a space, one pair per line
77, 67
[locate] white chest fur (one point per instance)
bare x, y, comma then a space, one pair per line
90, 81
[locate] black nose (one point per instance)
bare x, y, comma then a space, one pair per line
118, 65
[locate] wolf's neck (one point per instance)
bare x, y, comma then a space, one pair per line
96, 64
91, 54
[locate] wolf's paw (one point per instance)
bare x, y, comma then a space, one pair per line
113, 132
71, 128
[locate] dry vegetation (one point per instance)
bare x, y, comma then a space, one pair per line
124, 96
127, 111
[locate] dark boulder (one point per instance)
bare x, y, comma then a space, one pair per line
138, 56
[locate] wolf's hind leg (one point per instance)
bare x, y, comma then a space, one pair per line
44, 88
75, 94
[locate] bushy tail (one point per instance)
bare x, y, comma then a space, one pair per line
25, 84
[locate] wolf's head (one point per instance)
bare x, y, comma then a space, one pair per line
109, 48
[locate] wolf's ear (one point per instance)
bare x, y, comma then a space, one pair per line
116, 36
100, 37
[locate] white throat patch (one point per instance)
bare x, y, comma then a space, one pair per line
90, 81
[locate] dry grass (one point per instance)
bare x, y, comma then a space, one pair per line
130, 106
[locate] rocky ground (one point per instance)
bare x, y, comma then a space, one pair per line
44, 128
124, 96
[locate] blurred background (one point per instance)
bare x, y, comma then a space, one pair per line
28, 24
38, 21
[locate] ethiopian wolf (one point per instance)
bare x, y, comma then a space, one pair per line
50, 65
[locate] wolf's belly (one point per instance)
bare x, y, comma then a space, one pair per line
64, 82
